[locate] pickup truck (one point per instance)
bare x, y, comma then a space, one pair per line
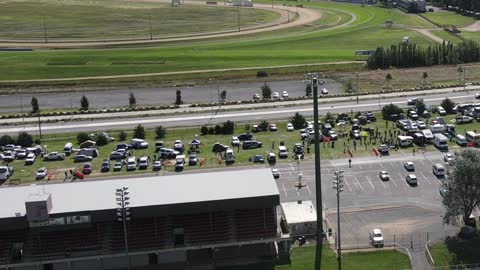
54, 156
5, 172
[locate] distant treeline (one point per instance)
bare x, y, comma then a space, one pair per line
412, 55
465, 5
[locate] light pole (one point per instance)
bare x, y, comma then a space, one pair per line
123, 214
338, 186
356, 88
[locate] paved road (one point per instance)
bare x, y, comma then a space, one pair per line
155, 96
199, 118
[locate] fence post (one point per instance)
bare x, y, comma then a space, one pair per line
411, 242
394, 243
427, 237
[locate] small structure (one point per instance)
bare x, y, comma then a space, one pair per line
177, 3
301, 217
242, 3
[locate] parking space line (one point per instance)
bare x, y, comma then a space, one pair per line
368, 178
421, 161
308, 188
298, 194
404, 181
348, 185
284, 190
381, 165
425, 178
358, 182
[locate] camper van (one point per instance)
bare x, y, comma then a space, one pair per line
472, 137
405, 141
440, 141
427, 133
461, 140
438, 170
437, 128
67, 149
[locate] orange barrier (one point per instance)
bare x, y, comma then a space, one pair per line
375, 151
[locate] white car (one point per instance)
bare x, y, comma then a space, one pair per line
41, 173
284, 94
235, 141
421, 125
411, 179
30, 159
477, 95
290, 127
256, 96
324, 91
448, 157
157, 165
376, 238
441, 111
273, 127
282, 152
409, 166
275, 95
275, 173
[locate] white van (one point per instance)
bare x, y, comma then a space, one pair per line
437, 128
427, 134
440, 141
405, 141
282, 152
67, 149
131, 164
461, 140
472, 137
438, 169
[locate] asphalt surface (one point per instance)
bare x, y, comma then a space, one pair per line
155, 96
198, 118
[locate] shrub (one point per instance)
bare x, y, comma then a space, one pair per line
6, 139
122, 136
262, 74
298, 121
160, 132
139, 132
228, 127
218, 129
263, 125
84, 104
101, 140
266, 91
82, 137
204, 130
448, 105
211, 131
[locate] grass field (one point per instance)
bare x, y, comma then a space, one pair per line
103, 20
471, 35
315, 44
450, 18
55, 142
455, 252
446, 36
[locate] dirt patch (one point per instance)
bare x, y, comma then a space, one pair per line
475, 27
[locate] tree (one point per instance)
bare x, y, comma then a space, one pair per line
35, 107
204, 130
218, 129
139, 132
84, 104
6, 139
24, 139
448, 105
263, 125
424, 77
262, 74
82, 137
388, 79
178, 99
122, 136
228, 127
308, 90
132, 101
298, 121
389, 110
160, 132
462, 194
329, 118
101, 140
420, 108
266, 91
223, 96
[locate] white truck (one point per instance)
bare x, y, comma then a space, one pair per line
440, 141
229, 156
5, 172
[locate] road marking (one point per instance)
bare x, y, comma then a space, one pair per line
308, 188
421, 161
358, 182
284, 190
348, 185
425, 178
393, 182
405, 180
381, 165
368, 178
385, 186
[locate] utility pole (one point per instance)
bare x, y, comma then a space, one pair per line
238, 17
318, 178
45, 29
123, 215
151, 34
39, 125
356, 89
21, 105
338, 186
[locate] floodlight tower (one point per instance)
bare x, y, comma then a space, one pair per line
338, 186
123, 214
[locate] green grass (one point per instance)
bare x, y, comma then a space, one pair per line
82, 19
471, 35
446, 36
455, 252
55, 142
449, 18
315, 44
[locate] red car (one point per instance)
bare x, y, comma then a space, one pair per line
87, 168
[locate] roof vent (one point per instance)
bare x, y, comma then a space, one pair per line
299, 201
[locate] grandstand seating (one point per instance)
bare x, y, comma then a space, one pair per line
255, 223
7, 239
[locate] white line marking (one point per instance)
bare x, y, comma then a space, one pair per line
358, 182
348, 185
284, 190
368, 178
385, 186
425, 178
308, 188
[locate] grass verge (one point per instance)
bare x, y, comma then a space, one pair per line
456, 252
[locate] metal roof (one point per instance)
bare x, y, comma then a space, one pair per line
296, 212
144, 191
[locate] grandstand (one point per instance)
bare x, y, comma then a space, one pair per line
207, 219
413, 6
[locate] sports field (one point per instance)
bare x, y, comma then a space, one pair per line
342, 29
449, 18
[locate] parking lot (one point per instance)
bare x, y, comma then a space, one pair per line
367, 202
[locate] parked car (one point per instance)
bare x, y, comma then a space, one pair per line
235, 141
324, 91
54, 156
257, 159
440, 110
275, 95
118, 166
284, 94
157, 165
82, 158
30, 159
384, 176
412, 179
6, 172
9, 156
143, 163
21, 153
272, 127
414, 101
178, 146
409, 166
413, 115
245, 137
376, 238
282, 152
41, 173
105, 165
290, 127
139, 143
251, 145
192, 159
87, 168
275, 173
117, 155
125, 146
298, 151
256, 96
131, 164
462, 119
477, 95
448, 157
421, 124
271, 158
